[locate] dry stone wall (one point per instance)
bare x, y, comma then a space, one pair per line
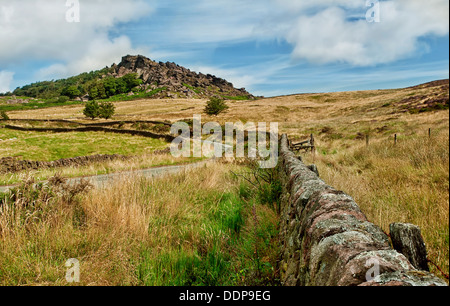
328, 241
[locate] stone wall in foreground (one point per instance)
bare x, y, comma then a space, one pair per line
328, 241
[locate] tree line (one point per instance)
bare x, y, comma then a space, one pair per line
94, 83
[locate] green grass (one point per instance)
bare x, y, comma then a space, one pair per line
197, 91
236, 98
53, 146
35, 105
136, 96
233, 249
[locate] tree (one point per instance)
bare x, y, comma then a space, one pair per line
121, 86
106, 110
93, 92
131, 80
215, 106
91, 110
110, 86
71, 92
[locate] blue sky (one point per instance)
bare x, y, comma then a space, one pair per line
270, 47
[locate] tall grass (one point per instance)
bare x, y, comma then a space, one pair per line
407, 182
193, 228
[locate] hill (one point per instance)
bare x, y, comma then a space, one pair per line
135, 77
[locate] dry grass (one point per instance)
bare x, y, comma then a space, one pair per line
134, 233
406, 183
97, 168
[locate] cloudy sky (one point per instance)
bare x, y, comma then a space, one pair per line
270, 47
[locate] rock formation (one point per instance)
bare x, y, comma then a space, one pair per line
177, 81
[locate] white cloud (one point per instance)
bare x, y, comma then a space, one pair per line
37, 30
6, 78
321, 31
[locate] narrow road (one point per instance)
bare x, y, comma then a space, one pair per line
101, 181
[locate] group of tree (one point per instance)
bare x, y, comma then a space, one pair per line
110, 86
98, 84
104, 110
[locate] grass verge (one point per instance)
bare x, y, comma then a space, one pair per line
204, 227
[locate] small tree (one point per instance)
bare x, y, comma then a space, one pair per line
215, 106
106, 110
92, 109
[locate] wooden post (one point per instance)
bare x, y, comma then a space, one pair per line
395, 139
313, 147
429, 133
367, 140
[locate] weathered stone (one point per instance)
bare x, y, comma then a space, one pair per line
314, 169
407, 239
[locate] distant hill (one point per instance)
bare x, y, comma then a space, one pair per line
133, 78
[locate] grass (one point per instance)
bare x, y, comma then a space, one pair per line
53, 146
132, 163
196, 228
42, 104
197, 91
407, 182
136, 96
236, 98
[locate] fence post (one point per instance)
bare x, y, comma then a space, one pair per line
395, 139
313, 147
429, 133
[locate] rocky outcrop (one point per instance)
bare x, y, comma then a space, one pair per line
328, 241
176, 80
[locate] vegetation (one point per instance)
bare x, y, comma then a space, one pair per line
95, 83
407, 182
104, 110
215, 106
92, 109
53, 146
37, 104
199, 228
4, 115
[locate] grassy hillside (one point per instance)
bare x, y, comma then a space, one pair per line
406, 182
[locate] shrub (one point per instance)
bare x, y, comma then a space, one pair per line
215, 106
63, 99
106, 110
91, 110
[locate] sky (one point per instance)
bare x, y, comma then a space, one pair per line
270, 47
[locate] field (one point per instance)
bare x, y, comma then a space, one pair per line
54, 146
403, 182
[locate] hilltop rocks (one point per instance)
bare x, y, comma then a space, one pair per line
178, 82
